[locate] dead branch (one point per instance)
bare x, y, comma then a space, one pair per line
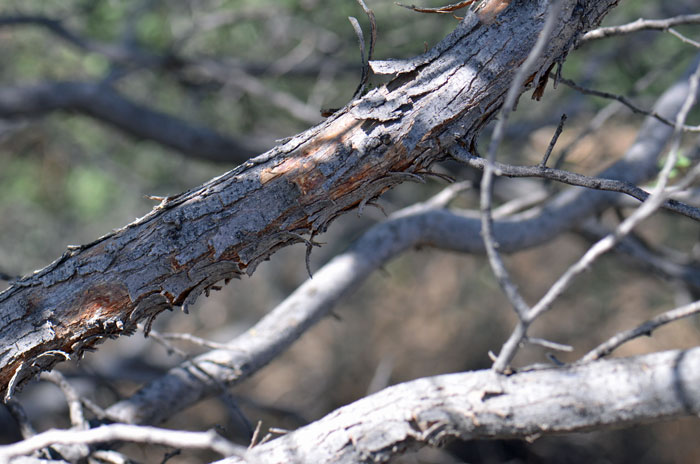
484, 404
641, 25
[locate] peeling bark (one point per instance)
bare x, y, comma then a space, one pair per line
226, 227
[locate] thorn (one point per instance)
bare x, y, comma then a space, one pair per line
307, 258
149, 324
378, 206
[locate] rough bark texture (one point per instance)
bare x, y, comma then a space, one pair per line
227, 226
484, 404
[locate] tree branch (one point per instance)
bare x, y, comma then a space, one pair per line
105, 104
625, 101
686, 272
572, 178
483, 404
645, 328
640, 25
121, 432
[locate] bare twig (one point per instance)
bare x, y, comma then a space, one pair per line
663, 265
684, 39
647, 208
549, 344
192, 339
571, 178
553, 142
256, 432
652, 203
75, 407
122, 432
646, 328
370, 52
497, 265
640, 25
625, 101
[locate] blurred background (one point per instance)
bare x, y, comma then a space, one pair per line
231, 78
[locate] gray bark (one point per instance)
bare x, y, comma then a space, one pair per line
225, 227
484, 404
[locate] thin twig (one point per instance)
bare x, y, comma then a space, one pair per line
625, 101
192, 339
495, 260
646, 258
683, 38
549, 344
553, 142
361, 41
645, 328
640, 25
75, 407
256, 432
571, 178
122, 432
521, 203
655, 200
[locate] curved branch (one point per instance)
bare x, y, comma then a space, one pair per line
646, 328
105, 104
121, 432
486, 405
